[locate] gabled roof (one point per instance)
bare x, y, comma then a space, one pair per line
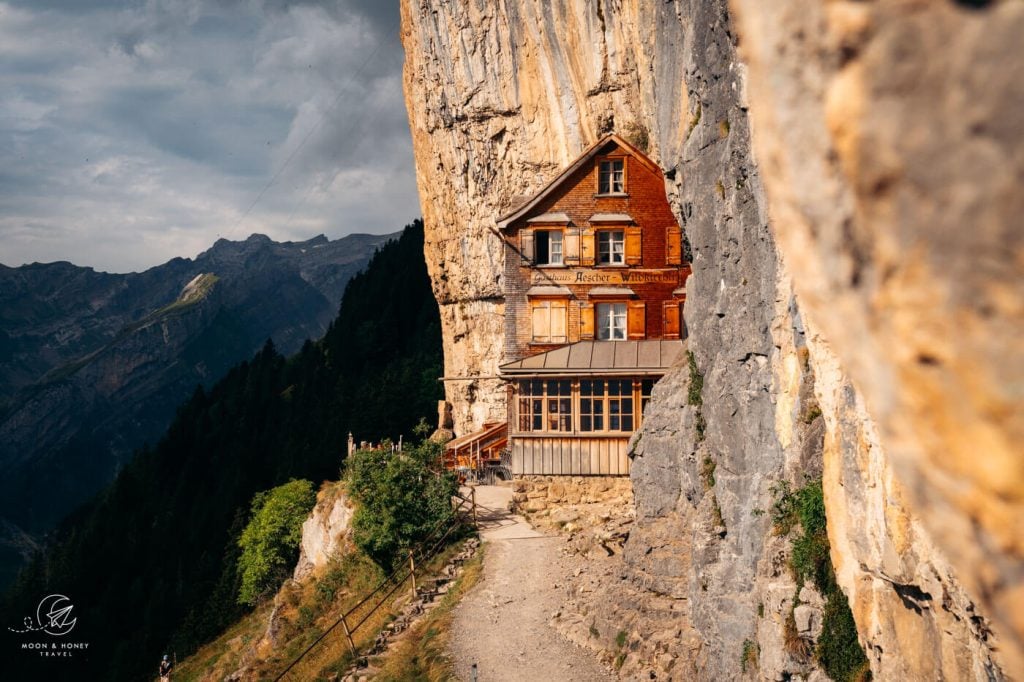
650, 357
584, 158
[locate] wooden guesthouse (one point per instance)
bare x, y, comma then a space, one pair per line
595, 277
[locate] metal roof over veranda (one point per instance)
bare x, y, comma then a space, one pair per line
607, 358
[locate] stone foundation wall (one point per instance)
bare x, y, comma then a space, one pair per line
538, 493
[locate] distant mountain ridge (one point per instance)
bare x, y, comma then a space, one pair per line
150, 562
92, 364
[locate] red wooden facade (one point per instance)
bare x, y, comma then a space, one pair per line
650, 280
595, 275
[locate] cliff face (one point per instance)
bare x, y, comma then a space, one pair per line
500, 97
905, 119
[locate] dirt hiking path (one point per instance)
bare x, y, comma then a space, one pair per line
502, 624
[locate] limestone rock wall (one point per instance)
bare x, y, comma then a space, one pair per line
500, 96
890, 139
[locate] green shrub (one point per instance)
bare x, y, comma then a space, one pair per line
749, 656
707, 473
620, 639
401, 501
838, 650
270, 541
812, 412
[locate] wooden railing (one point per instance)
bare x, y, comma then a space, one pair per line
419, 556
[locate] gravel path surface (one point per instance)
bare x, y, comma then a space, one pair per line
502, 624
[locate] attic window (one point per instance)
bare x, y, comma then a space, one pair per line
611, 179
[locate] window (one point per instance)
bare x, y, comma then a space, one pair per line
548, 245
620, 405
592, 405
549, 321
646, 386
606, 405
531, 405
611, 247
545, 405
611, 321
559, 413
610, 177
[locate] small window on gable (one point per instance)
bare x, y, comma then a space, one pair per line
611, 178
548, 247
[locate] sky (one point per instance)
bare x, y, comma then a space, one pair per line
134, 131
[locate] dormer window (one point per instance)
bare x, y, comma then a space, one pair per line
611, 179
611, 247
548, 247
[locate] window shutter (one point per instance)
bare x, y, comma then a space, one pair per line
541, 321
673, 245
671, 320
558, 309
526, 245
633, 245
586, 321
636, 320
587, 247
571, 246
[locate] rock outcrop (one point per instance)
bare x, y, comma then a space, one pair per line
325, 532
501, 96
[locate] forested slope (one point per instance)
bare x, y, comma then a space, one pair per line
150, 564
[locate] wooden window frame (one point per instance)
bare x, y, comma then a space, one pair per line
535, 408
599, 255
599, 173
561, 247
599, 322
539, 406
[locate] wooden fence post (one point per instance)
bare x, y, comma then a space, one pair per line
473, 497
348, 634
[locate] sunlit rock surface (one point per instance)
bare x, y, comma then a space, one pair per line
501, 96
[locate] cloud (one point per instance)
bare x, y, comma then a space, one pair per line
137, 132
